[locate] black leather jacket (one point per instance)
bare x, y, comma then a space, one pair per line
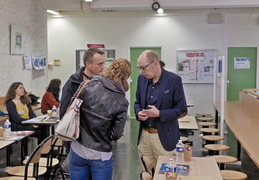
102, 114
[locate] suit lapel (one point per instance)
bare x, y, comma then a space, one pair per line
144, 93
162, 89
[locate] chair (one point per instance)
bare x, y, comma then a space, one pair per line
209, 131
145, 176
49, 161
215, 148
207, 124
211, 139
204, 118
46, 161
148, 165
29, 171
203, 114
57, 161
233, 175
224, 159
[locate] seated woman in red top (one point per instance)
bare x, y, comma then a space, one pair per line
51, 97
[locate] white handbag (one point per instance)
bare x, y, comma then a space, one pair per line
69, 126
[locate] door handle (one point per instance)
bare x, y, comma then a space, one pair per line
130, 81
228, 82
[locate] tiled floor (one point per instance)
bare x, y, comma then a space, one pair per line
126, 163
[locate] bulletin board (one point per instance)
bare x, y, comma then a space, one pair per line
196, 66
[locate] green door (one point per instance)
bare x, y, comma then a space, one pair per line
134, 54
239, 76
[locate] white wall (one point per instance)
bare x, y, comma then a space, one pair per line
31, 15
180, 29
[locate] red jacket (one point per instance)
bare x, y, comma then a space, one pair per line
48, 101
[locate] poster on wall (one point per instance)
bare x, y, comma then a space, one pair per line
242, 63
39, 62
196, 66
18, 39
27, 62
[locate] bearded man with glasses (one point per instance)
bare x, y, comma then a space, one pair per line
160, 101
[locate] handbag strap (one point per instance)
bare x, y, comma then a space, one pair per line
82, 87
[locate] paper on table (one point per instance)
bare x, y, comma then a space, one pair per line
37, 119
12, 138
184, 119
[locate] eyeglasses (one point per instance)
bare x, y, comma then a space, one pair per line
143, 68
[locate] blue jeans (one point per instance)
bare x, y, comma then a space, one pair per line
80, 168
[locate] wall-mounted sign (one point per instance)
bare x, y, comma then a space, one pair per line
102, 46
241, 63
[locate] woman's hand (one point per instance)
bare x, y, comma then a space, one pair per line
35, 126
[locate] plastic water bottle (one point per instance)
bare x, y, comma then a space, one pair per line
54, 111
180, 152
171, 166
7, 128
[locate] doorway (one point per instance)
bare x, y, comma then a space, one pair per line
239, 76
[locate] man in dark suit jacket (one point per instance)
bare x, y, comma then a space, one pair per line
160, 101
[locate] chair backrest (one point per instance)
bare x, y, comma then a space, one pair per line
47, 145
148, 165
146, 176
35, 157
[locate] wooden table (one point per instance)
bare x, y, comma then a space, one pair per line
243, 121
199, 166
6, 142
188, 122
45, 122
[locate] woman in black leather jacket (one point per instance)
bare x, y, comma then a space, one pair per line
102, 120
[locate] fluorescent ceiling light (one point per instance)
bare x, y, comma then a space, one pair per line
52, 12
88, 0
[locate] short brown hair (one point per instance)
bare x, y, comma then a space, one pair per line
89, 53
119, 71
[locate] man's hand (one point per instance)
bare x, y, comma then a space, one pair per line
152, 112
142, 116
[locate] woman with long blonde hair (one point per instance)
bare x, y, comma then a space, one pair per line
102, 120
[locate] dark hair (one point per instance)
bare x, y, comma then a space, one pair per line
54, 86
89, 53
162, 64
11, 93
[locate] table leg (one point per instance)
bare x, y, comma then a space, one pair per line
238, 150
24, 149
216, 118
8, 154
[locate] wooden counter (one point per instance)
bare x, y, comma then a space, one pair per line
242, 117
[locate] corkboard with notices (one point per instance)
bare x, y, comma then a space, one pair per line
196, 66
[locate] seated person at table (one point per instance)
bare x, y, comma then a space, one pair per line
19, 108
51, 97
